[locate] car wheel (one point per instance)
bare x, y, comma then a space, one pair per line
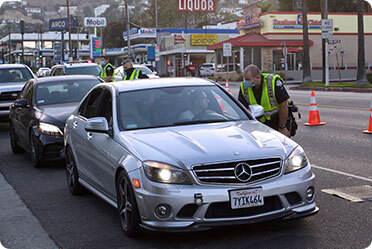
34, 151
13, 141
72, 174
127, 206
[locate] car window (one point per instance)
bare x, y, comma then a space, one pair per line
106, 106
25, 89
176, 106
10, 75
91, 109
89, 70
145, 70
58, 71
63, 91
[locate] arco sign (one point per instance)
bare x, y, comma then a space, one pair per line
60, 24
196, 5
95, 22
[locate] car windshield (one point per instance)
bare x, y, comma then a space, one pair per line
175, 106
56, 92
11, 75
87, 70
145, 70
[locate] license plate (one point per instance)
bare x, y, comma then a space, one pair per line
244, 198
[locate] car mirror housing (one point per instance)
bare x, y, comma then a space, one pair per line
257, 110
21, 103
98, 124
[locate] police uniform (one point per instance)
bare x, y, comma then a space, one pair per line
134, 74
108, 70
271, 85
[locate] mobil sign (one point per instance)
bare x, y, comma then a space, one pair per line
95, 21
196, 5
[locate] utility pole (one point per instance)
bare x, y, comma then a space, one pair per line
22, 34
157, 33
128, 30
9, 46
326, 46
69, 31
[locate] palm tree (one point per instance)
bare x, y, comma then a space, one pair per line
306, 77
361, 74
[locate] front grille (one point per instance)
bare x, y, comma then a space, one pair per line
187, 211
9, 96
224, 210
262, 169
52, 150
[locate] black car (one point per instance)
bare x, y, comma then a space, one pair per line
37, 117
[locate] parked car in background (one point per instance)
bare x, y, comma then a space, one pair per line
76, 68
207, 69
43, 71
12, 79
37, 117
143, 149
120, 73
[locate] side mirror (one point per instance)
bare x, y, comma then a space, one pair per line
257, 110
98, 124
21, 103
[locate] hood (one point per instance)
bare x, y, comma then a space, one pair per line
11, 87
56, 114
208, 143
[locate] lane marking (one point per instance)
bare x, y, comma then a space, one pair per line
342, 173
337, 106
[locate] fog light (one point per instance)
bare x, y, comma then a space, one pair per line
310, 193
162, 211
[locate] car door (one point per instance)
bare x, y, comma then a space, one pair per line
88, 109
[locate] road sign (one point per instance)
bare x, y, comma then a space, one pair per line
60, 24
327, 25
333, 42
327, 35
227, 49
95, 22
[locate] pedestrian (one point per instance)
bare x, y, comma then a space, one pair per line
107, 73
268, 91
132, 73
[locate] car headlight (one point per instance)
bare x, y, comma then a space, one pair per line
165, 173
49, 129
296, 160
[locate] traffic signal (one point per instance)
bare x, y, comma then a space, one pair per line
40, 58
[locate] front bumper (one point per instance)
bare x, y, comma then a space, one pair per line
4, 109
285, 197
50, 147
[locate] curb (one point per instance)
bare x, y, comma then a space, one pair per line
332, 89
19, 228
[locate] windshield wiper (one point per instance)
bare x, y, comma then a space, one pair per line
200, 122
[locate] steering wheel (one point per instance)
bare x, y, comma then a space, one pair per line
210, 115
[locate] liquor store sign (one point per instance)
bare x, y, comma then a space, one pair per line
203, 40
196, 5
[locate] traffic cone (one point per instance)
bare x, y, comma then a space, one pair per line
369, 131
314, 118
227, 87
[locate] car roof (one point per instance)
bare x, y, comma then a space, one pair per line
129, 85
77, 65
64, 77
12, 66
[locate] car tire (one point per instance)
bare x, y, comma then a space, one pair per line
72, 175
34, 152
127, 206
13, 141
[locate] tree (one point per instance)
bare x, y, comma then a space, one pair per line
113, 35
361, 74
306, 77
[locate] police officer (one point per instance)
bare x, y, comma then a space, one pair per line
268, 91
107, 73
132, 73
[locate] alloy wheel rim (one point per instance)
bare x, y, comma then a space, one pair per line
125, 210
70, 170
33, 150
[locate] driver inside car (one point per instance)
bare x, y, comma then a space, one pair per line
199, 104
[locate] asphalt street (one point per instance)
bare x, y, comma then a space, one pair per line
340, 152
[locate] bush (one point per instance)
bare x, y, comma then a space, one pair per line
369, 77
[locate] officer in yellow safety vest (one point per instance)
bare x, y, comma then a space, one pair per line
132, 73
107, 73
268, 91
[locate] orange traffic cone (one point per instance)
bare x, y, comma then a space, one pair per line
369, 131
227, 87
314, 113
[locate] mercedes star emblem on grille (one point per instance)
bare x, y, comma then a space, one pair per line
243, 172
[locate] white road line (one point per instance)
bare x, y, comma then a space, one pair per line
343, 173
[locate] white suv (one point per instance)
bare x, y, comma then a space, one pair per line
207, 69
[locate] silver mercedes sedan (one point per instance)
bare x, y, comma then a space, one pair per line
180, 154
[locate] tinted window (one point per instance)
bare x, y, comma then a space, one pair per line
56, 92
9, 75
89, 70
91, 109
176, 106
106, 107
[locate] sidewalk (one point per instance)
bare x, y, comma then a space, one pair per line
19, 228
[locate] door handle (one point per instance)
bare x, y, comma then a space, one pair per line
89, 136
74, 124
